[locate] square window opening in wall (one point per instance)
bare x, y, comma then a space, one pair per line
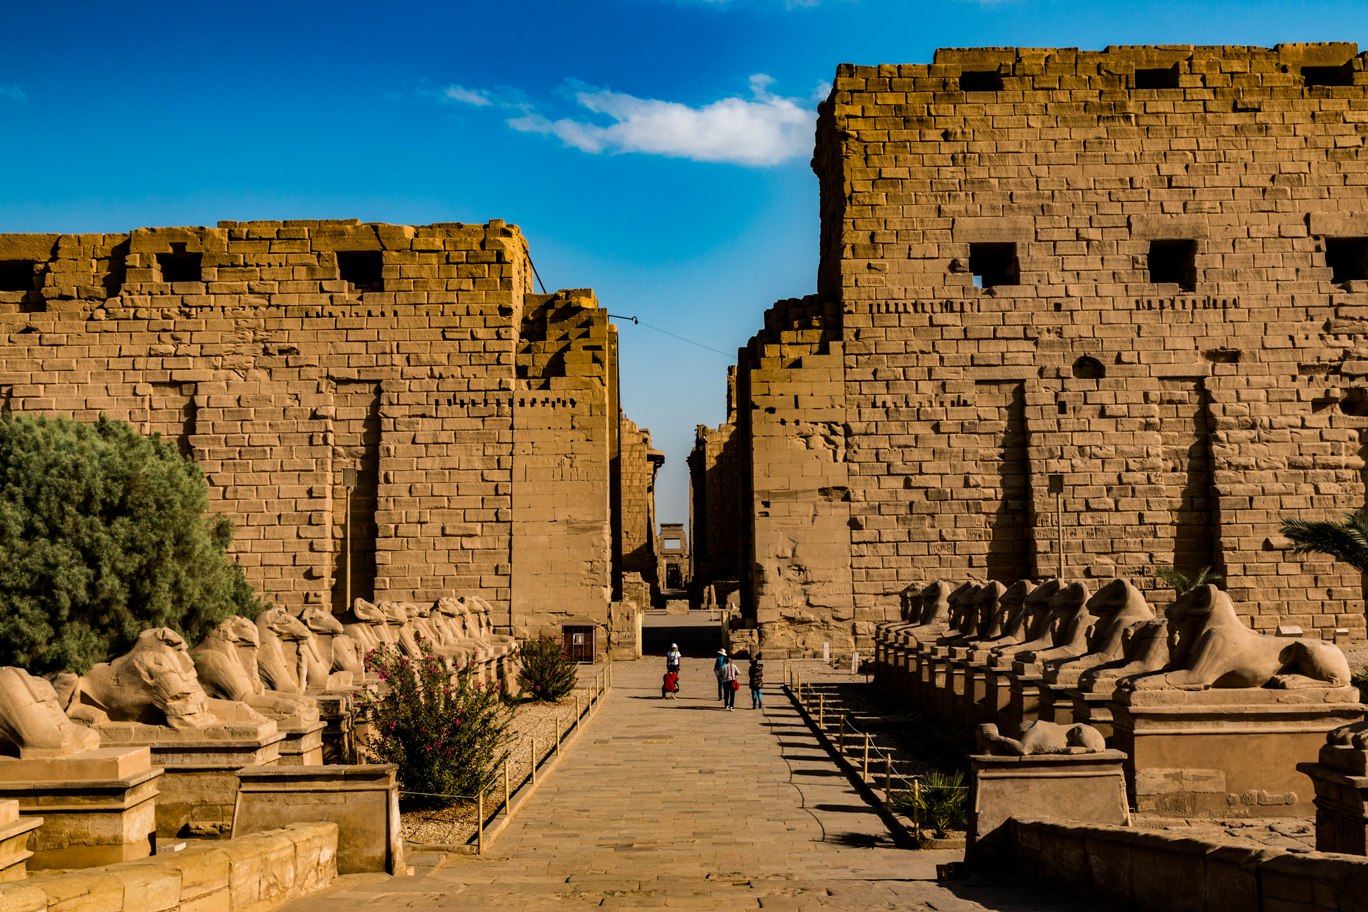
17, 275
980, 81
1347, 258
1173, 263
179, 265
994, 265
362, 269
1157, 77
1342, 75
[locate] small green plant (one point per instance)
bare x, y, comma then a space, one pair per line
942, 802
1181, 582
547, 672
446, 730
1360, 680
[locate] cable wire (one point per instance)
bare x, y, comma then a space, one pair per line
638, 322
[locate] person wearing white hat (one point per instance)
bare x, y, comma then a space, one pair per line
718, 667
673, 658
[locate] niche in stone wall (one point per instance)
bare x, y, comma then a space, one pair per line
356, 487
1088, 368
180, 265
1185, 422
1006, 479
363, 270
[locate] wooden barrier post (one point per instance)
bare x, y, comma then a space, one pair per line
558, 736
840, 736
821, 711
534, 761
508, 793
888, 775
864, 773
479, 823
577, 708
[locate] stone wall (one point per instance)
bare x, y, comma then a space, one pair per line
1153, 871
1137, 275
639, 464
715, 478
383, 411
251, 874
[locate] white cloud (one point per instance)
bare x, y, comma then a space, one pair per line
13, 93
762, 130
480, 98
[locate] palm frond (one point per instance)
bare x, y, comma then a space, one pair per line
1346, 540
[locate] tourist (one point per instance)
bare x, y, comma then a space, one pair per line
720, 664
729, 677
757, 680
670, 686
672, 658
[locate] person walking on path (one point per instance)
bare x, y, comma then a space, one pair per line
672, 658
757, 680
718, 665
730, 679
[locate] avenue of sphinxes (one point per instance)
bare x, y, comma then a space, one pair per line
1078, 313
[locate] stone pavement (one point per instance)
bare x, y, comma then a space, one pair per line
677, 804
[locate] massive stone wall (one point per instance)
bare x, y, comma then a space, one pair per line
640, 462
1137, 277
384, 411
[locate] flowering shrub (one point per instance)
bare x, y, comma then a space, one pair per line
446, 730
547, 672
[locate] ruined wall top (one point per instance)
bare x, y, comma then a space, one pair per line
1126, 67
244, 263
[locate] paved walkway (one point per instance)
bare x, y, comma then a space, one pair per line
677, 804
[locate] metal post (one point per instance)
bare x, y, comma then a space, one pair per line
479, 824
1056, 487
916, 804
348, 483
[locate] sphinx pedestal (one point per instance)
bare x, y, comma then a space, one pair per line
1092, 709
1023, 702
14, 835
200, 785
335, 710
302, 744
1225, 752
98, 806
1084, 788
1340, 779
362, 800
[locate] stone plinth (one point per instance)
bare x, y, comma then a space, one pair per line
1093, 709
199, 787
1084, 788
1023, 701
362, 800
1225, 752
99, 806
1055, 704
14, 835
1340, 779
339, 718
303, 743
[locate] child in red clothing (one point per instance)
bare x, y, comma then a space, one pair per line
670, 686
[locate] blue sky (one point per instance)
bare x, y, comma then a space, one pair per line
654, 150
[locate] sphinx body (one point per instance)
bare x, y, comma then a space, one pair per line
1212, 648
32, 723
1039, 737
226, 663
1115, 609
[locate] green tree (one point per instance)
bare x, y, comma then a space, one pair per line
103, 534
546, 672
1346, 540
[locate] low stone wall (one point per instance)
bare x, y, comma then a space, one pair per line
251, 874
1167, 873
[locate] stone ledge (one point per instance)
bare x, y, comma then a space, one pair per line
251, 874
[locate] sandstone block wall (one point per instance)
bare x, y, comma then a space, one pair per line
384, 411
639, 464
1138, 273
